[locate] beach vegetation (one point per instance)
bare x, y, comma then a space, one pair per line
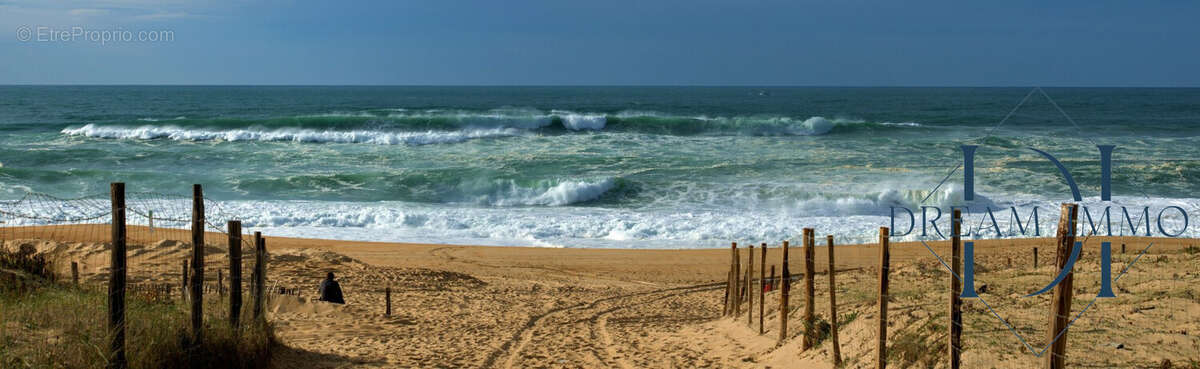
51, 325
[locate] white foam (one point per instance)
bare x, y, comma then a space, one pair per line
287, 134
679, 226
532, 226
463, 125
572, 192
606, 227
509, 193
818, 125
579, 122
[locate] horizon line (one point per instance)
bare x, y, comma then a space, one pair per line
576, 85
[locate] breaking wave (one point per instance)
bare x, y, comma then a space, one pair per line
287, 134
435, 126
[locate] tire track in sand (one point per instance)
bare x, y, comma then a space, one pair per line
597, 320
601, 341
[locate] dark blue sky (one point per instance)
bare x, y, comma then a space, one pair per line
699, 42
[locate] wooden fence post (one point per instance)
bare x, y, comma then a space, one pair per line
762, 268
197, 263
387, 292
235, 272
1034, 258
75, 273
955, 346
728, 283
260, 279
749, 287
833, 319
774, 279
736, 295
784, 286
1123, 245
809, 337
1060, 308
183, 287
884, 255
745, 285
116, 280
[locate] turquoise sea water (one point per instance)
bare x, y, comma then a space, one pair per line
593, 166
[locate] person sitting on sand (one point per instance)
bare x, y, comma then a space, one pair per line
331, 291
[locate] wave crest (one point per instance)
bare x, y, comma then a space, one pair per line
451, 126
546, 193
287, 134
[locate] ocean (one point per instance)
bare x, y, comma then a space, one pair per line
621, 167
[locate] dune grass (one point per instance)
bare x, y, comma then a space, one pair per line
53, 325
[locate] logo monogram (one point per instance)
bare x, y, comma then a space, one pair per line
1105, 247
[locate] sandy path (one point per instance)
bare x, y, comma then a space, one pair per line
562, 319
567, 333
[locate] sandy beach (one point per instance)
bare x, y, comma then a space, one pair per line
527, 307
599, 184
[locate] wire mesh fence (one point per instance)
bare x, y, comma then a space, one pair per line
158, 232
1151, 319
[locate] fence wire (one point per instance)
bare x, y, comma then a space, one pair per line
1153, 318
158, 236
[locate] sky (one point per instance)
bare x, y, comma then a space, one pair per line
610, 42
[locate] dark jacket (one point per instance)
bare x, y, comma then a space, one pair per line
331, 291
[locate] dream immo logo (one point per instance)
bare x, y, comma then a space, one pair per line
1099, 224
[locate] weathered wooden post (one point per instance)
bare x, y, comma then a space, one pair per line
728, 284
749, 287
1035, 258
833, 319
235, 272
183, 287
774, 278
729, 281
260, 271
737, 286
1060, 308
762, 306
745, 285
784, 284
955, 348
116, 280
75, 273
387, 292
809, 337
884, 255
1123, 245
197, 263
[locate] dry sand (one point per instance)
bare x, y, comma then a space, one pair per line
514, 307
